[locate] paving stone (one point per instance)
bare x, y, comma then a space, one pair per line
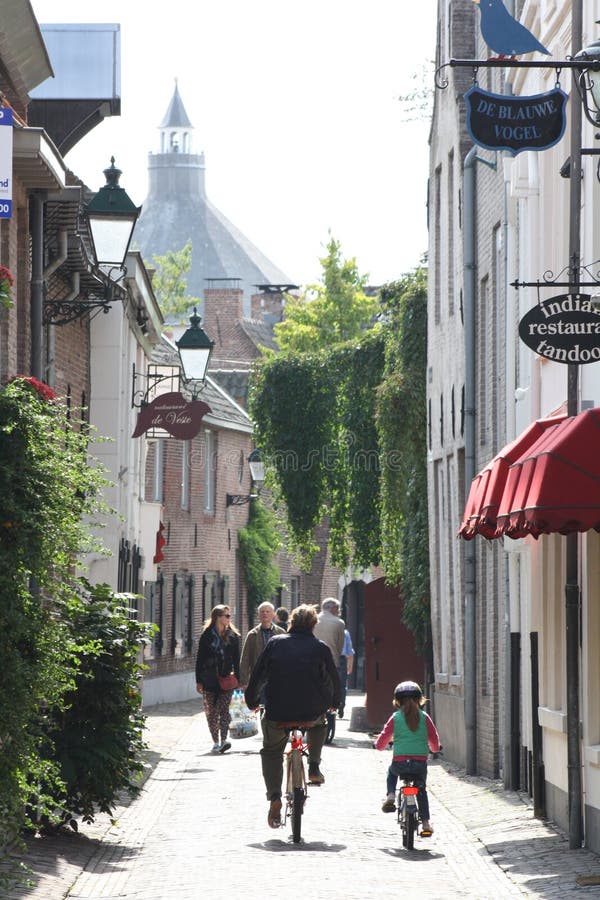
199, 829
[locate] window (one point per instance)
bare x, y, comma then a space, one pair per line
185, 474
294, 591
209, 593
159, 471
450, 256
210, 471
437, 242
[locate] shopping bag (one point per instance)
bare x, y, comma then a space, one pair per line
243, 721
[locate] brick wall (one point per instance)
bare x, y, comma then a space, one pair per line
200, 543
222, 314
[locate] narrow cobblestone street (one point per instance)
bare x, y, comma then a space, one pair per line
199, 829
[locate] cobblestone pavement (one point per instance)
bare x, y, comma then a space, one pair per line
199, 829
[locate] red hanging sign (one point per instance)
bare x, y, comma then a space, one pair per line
181, 418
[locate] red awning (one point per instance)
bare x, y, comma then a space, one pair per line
554, 487
487, 488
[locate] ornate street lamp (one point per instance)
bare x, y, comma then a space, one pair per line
257, 473
195, 348
588, 82
112, 215
257, 466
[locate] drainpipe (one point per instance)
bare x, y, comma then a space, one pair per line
572, 588
470, 648
50, 377
37, 284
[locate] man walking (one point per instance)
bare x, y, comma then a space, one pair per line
300, 683
330, 628
257, 639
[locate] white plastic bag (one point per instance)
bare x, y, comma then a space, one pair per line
243, 722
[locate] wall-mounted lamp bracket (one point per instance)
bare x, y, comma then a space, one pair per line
239, 499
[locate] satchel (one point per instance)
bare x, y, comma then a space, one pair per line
228, 682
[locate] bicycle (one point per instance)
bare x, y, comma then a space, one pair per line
408, 812
296, 785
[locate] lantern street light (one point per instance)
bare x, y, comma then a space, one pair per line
195, 348
257, 473
112, 215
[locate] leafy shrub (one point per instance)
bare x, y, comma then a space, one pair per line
96, 736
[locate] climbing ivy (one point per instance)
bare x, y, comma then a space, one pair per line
402, 427
258, 543
343, 432
290, 401
314, 416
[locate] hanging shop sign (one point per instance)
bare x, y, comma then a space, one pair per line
6, 161
502, 122
565, 329
174, 414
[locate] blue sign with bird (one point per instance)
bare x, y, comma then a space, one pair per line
504, 34
504, 122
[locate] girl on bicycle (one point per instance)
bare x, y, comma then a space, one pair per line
414, 735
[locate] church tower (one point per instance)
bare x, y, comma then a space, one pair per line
177, 209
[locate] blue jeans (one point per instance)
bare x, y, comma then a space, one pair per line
416, 770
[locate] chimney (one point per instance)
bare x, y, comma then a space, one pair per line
223, 310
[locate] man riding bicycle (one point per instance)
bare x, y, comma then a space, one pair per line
300, 684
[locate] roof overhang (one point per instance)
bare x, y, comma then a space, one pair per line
36, 161
22, 48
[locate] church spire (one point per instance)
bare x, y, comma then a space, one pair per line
176, 128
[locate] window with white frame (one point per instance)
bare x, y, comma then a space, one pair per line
210, 470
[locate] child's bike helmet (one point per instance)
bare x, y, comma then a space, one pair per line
407, 689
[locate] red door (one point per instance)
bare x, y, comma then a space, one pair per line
390, 654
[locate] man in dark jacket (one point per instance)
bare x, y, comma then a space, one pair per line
300, 684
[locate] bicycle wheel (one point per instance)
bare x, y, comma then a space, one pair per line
411, 827
297, 794
297, 807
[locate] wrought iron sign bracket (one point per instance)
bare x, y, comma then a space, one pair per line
580, 65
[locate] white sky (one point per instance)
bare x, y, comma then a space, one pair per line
295, 107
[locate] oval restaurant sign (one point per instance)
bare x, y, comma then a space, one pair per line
565, 329
181, 418
502, 122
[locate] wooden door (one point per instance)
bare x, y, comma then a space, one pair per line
390, 655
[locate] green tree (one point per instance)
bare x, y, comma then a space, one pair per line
170, 281
331, 312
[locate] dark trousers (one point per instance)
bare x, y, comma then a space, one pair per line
274, 741
343, 673
416, 769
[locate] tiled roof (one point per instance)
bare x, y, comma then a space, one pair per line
260, 333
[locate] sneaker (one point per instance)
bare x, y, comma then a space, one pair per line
426, 829
224, 747
315, 776
274, 814
388, 805
216, 748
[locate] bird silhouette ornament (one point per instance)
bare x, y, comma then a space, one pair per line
503, 34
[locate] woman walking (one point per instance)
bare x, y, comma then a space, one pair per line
218, 659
